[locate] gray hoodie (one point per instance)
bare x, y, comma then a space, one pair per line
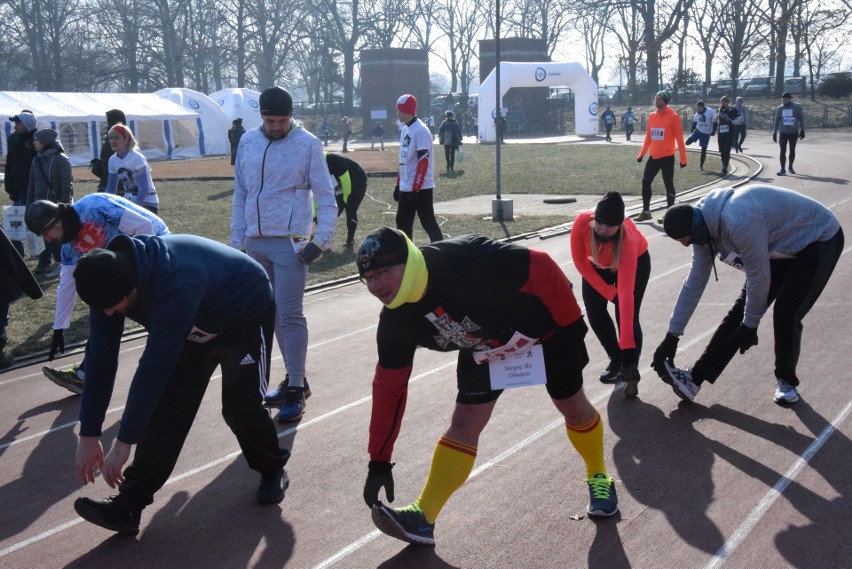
748, 227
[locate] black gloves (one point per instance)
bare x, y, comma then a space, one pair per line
379, 474
57, 345
682, 165
801, 134
310, 253
639, 159
745, 337
774, 137
396, 193
665, 351
629, 358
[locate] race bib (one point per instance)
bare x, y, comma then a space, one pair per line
658, 133
723, 128
608, 120
789, 121
199, 336
516, 344
733, 259
520, 370
703, 126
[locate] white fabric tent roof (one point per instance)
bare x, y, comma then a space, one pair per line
71, 107
215, 122
163, 128
239, 103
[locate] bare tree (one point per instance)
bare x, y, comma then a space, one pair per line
592, 24
548, 20
461, 22
707, 32
344, 24
626, 27
740, 34
820, 24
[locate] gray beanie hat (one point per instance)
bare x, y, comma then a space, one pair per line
46, 136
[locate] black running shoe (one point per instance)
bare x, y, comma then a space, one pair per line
114, 514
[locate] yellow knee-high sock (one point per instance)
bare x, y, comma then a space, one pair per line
451, 465
588, 440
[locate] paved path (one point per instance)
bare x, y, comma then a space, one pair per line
732, 480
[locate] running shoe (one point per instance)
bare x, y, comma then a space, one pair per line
785, 393
114, 514
610, 374
407, 524
792, 171
294, 405
681, 381
644, 216
66, 378
272, 487
276, 397
603, 501
782, 172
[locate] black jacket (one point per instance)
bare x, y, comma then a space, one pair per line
19, 157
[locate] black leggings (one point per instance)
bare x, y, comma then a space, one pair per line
420, 204
353, 201
654, 165
792, 138
795, 286
450, 155
598, 313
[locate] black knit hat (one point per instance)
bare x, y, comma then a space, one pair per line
276, 101
382, 247
105, 277
40, 216
678, 221
610, 210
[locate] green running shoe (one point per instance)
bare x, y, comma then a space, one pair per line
408, 524
603, 501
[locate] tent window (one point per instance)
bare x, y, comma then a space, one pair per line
149, 135
184, 133
75, 138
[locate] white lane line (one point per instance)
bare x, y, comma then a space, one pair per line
226, 458
763, 506
71, 424
365, 539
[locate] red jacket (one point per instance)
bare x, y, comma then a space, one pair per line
664, 129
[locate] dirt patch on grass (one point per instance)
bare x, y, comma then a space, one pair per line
373, 162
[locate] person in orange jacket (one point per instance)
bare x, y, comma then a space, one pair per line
612, 257
664, 129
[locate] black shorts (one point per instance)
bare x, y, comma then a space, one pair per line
565, 356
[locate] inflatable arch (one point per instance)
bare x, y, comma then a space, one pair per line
540, 74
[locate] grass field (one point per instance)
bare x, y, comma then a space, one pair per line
203, 207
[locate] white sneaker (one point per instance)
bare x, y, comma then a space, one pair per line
784, 392
681, 382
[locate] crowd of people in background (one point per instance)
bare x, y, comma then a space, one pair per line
206, 304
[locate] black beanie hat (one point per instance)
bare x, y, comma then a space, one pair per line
105, 277
276, 101
678, 221
40, 216
382, 247
610, 210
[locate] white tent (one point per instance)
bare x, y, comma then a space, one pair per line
80, 120
213, 130
239, 104
539, 74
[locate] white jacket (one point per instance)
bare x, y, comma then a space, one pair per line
275, 185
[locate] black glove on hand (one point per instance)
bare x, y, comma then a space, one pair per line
802, 134
665, 351
682, 165
379, 475
745, 337
310, 253
629, 358
57, 345
639, 160
396, 193
630, 373
774, 137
